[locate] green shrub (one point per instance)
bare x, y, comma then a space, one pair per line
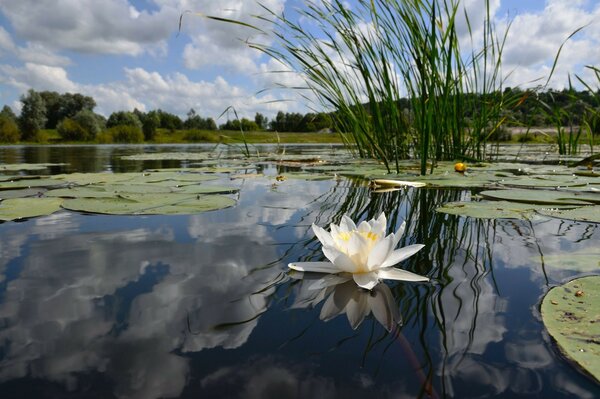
104, 137
91, 122
9, 131
126, 134
200, 135
70, 130
123, 118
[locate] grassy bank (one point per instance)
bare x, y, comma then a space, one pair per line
165, 136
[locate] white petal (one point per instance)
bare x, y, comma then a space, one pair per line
399, 233
347, 224
384, 307
366, 280
322, 235
317, 267
379, 225
364, 227
357, 245
357, 308
342, 262
400, 254
380, 252
392, 273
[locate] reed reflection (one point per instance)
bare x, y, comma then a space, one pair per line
473, 264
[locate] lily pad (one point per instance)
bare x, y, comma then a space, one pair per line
21, 193
584, 214
161, 156
548, 197
28, 166
491, 209
138, 204
28, 183
571, 313
18, 208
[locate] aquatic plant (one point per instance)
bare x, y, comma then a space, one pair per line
362, 63
362, 251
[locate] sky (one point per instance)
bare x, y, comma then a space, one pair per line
128, 54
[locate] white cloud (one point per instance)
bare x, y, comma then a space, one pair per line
535, 37
110, 26
40, 77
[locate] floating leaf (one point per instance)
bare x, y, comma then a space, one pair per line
571, 313
28, 166
27, 183
139, 204
22, 193
18, 208
543, 196
491, 209
584, 214
303, 176
92, 178
162, 156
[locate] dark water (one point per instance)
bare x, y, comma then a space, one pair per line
202, 306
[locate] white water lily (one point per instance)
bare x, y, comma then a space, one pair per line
363, 251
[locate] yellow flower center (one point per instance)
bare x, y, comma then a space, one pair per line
346, 235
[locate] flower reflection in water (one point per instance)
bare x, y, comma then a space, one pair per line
342, 295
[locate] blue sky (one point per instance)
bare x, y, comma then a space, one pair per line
126, 53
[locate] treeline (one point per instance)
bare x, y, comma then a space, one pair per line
73, 117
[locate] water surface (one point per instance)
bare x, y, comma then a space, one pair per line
202, 305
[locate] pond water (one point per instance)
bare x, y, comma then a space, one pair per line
203, 306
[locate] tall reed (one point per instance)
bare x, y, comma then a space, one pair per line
360, 62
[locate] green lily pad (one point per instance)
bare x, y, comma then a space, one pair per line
107, 190
545, 181
302, 176
548, 197
156, 204
491, 209
28, 183
584, 214
571, 313
22, 193
18, 208
162, 156
28, 166
92, 178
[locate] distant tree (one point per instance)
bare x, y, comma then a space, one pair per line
33, 115
70, 130
9, 131
123, 118
243, 124
195, 121
150, 124
60, 106
169, 121
91, 122
261, 120
278, 123
211, 124
125, 134
9, 113
52, 102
